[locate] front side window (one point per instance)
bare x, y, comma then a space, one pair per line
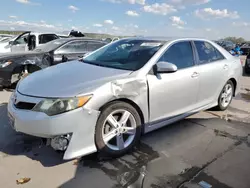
207, 53
127, 54
23, 39
180, 54
74, 47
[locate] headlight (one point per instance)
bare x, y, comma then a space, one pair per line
5, 64
53, 107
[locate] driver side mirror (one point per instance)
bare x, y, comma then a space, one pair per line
165, 67
11, 43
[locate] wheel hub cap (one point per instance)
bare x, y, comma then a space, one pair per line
227, 95
119, 130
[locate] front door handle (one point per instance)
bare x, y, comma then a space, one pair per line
225, 67
195, 75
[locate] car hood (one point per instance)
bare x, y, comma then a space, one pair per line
68, 80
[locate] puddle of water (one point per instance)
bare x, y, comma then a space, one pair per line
208, 179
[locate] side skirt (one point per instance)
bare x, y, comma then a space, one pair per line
151, 126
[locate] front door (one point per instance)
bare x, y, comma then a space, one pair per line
21, 43
172, 94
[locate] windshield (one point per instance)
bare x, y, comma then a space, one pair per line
50, 45
125, 54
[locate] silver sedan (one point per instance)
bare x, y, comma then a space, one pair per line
106, 101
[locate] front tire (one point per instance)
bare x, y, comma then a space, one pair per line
118, 129
226, 96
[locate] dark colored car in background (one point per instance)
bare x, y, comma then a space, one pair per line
245, 48
228, 45
15, 66
247, 64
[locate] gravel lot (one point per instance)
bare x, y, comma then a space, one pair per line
209, 146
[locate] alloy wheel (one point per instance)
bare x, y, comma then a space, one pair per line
226, 95
119, 130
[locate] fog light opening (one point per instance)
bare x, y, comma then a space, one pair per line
60, 143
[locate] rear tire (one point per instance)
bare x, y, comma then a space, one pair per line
226, 96
118, 129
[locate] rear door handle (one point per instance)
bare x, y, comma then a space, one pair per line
195, 75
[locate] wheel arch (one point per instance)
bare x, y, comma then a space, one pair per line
132, 103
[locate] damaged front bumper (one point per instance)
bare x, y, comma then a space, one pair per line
79, 123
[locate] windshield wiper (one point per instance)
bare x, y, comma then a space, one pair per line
94, 63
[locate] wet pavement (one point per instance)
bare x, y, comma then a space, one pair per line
208, 148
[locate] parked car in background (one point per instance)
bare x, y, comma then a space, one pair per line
5, 35
247, 64
245, 48
72, 33
14, 66
228, 45
27, 41
126, 88
4, 38
109, 40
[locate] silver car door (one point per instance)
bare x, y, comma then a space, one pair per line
213, 70
172, 94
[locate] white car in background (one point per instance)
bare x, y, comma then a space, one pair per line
5, 37
26, 41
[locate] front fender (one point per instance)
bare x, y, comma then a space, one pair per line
133, 89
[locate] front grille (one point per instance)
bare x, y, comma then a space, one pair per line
25, 105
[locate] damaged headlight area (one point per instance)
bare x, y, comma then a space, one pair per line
53, 107
4, 64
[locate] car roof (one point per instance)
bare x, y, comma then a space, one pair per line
166, 39
79, 38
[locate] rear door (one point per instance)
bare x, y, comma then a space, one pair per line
172, 94
213, 69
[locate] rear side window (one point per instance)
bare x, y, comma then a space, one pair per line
47, 38
180, 54
207, 53
92, 46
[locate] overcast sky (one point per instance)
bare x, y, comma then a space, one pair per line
193, 18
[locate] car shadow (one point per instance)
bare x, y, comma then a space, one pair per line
15, 143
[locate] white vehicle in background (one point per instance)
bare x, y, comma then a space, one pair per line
26, 41
5, 37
